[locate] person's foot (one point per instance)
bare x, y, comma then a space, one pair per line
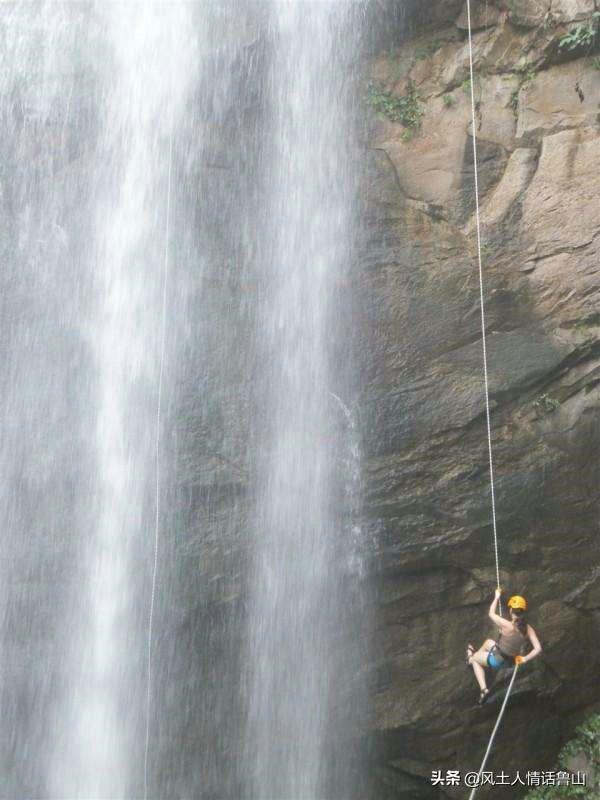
470, 651
483, 695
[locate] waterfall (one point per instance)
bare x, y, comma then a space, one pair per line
254, 464
91, 97
144, 84
297, 599
49, 119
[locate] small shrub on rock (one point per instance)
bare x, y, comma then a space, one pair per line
583, 37
404, 109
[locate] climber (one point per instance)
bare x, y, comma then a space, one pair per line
514, 636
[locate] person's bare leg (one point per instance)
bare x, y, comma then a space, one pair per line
479, 660
482, 654
479, 675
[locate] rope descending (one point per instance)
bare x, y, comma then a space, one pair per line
487, 392
481, 303
157, 458
493, 736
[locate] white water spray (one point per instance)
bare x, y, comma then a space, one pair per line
145, 86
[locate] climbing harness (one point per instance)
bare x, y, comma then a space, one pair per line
157, 456
486, 382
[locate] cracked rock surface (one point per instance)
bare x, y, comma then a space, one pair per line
427, 473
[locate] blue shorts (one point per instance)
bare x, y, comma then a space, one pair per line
495, 660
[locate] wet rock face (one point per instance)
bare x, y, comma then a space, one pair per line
426, 470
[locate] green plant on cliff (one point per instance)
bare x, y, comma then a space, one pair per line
526, 73
586, 744
449, 101
526, 76
545, 404
584, 36
514, 101
405, 109
477, 89
587, 741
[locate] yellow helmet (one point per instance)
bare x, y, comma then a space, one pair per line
518, 603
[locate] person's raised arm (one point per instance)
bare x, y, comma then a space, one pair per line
502, 624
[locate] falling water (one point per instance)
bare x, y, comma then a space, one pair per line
187, 162
143, 89
49, 120
297, 597
91, 98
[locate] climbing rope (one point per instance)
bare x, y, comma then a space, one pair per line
493, 736
487, 392
157, 458
481, 303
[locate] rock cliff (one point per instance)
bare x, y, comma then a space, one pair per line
537, 93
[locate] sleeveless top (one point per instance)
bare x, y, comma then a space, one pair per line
512, 644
